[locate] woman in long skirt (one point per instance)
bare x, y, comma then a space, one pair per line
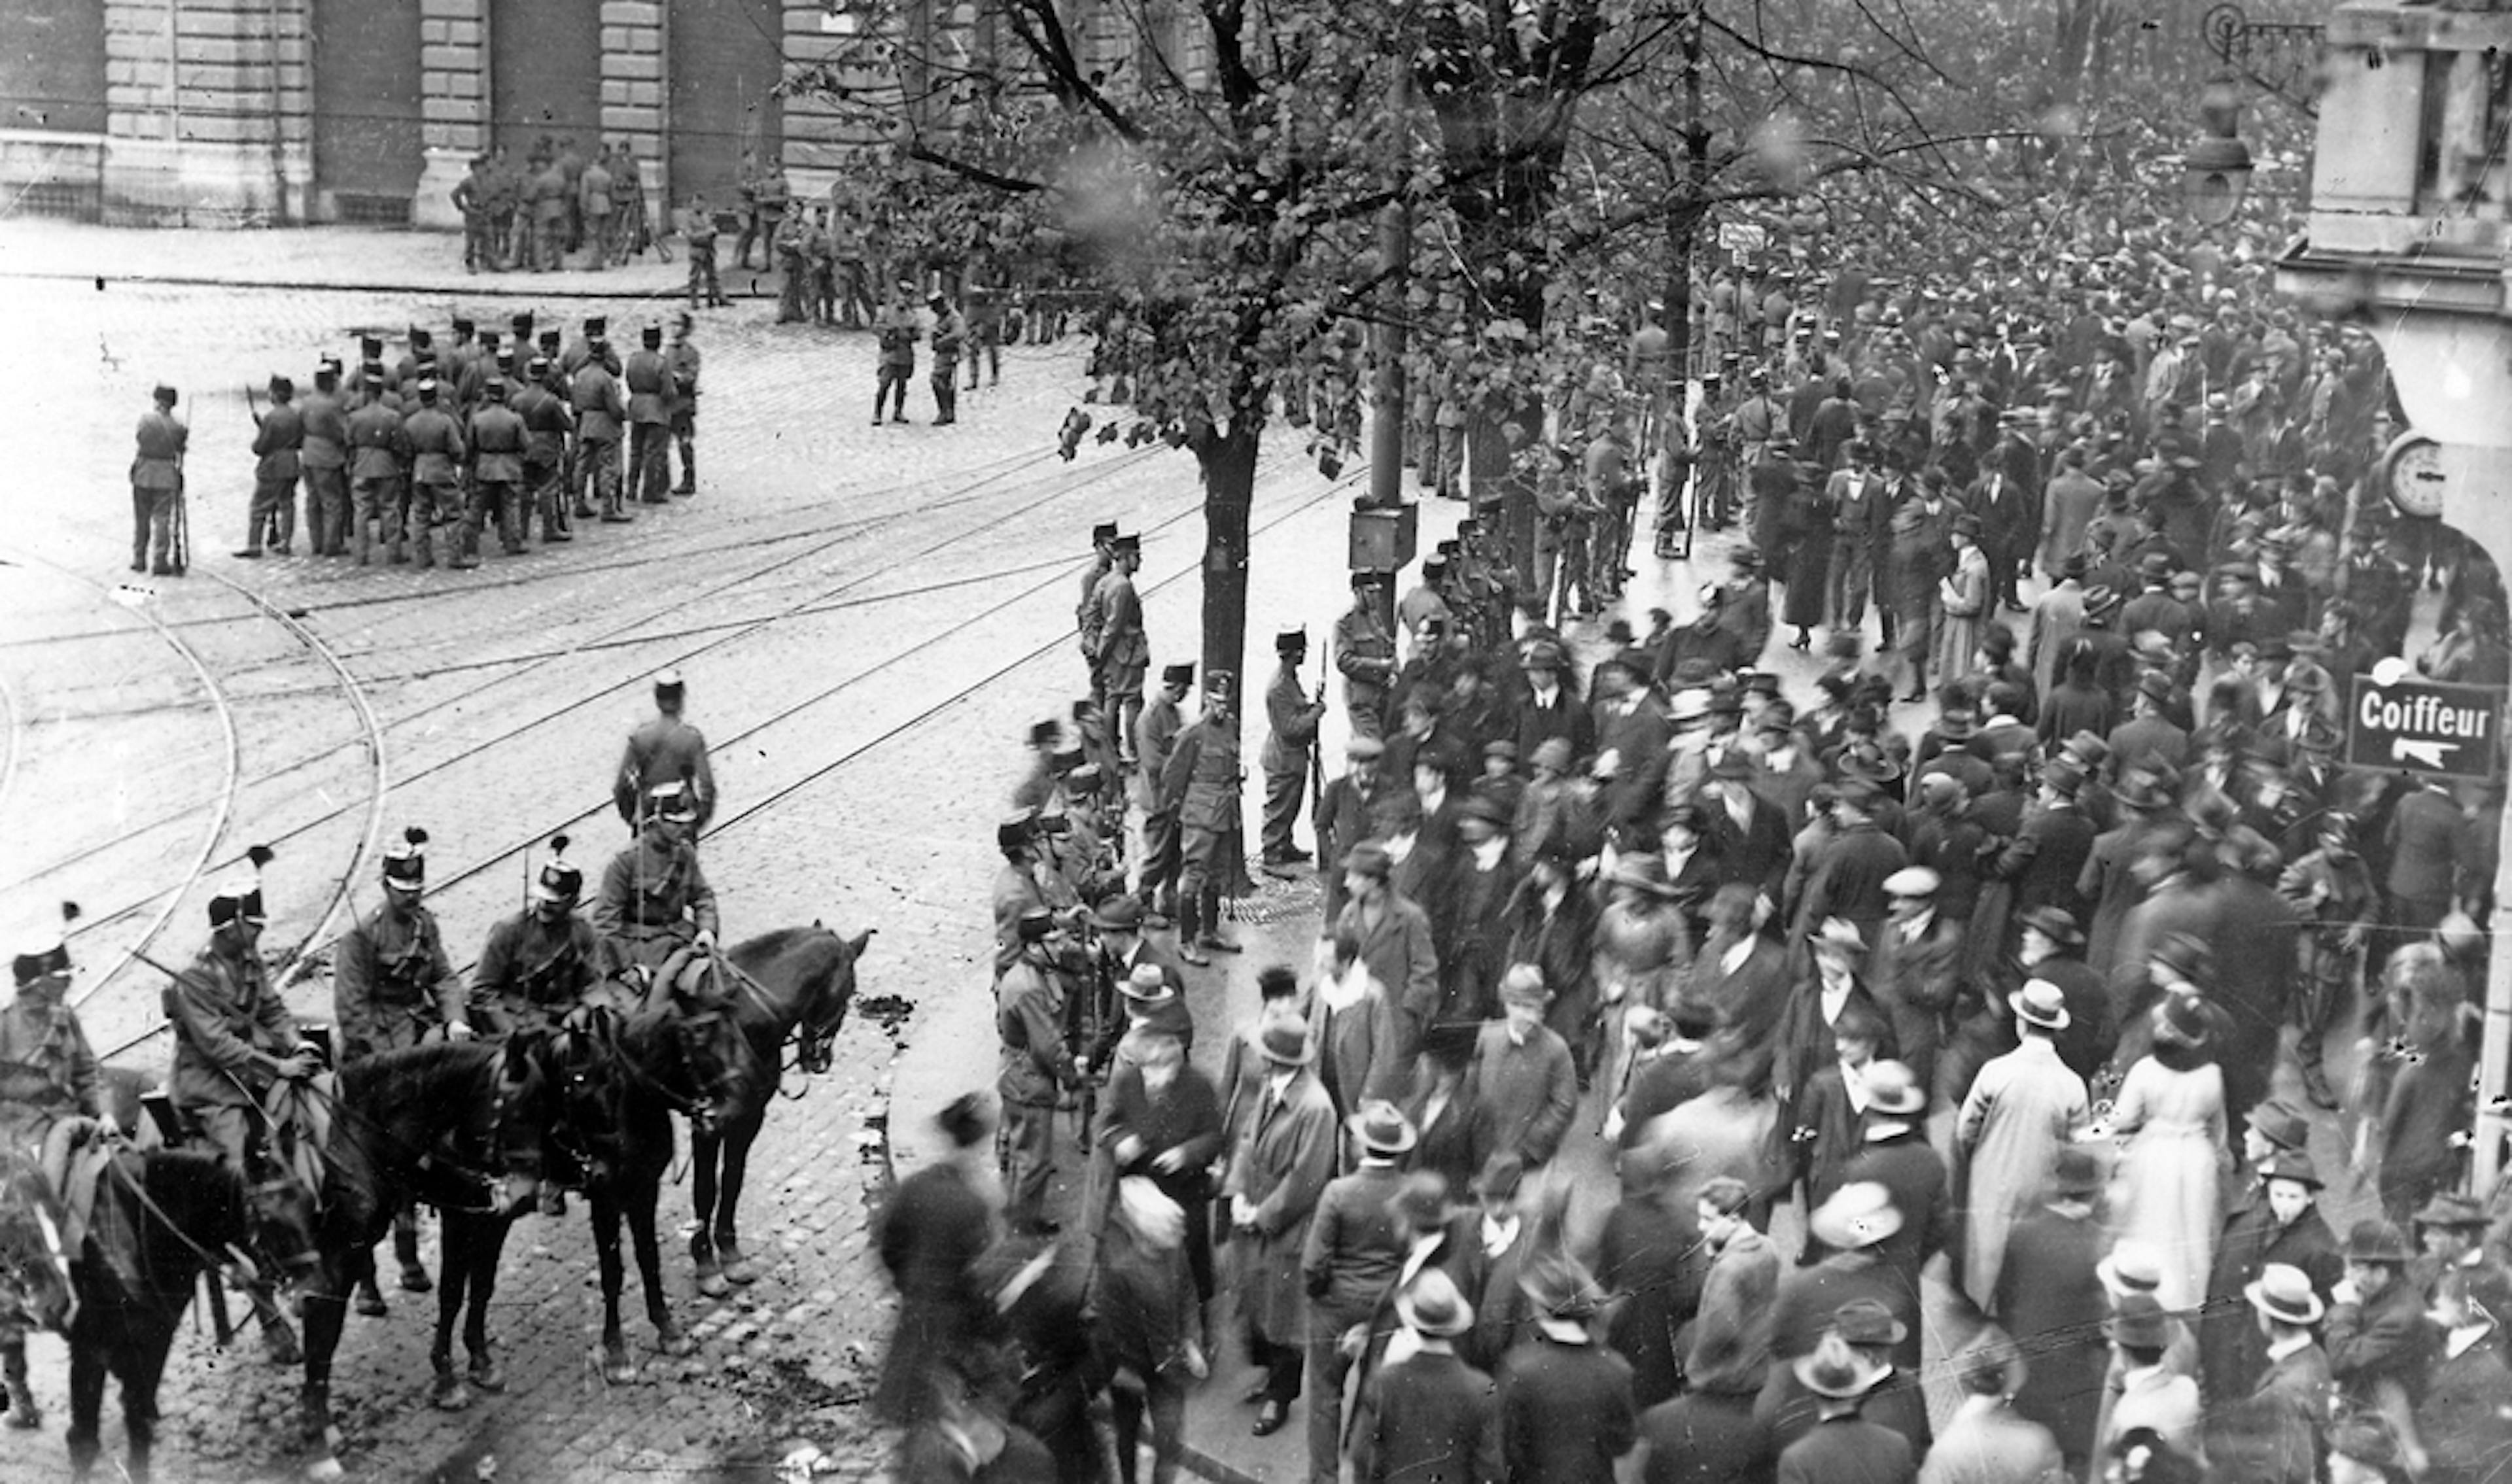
1805, 529
2171, 1116
1964, 596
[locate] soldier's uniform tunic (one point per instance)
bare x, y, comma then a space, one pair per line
231, 1034
391, 982
654, 901
534, 971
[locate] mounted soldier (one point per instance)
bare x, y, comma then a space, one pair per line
657, 911
48, 1107
539, 964
393, 988
235, 1044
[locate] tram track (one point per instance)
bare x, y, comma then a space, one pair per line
513, 847
623, 635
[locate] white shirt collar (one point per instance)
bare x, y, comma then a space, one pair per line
2281, 1348
1737, 953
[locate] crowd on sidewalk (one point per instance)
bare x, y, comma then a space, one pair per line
1999, 993
403, 460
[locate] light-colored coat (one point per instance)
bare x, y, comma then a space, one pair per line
1281, 1166
1986, 1443
2022, 1107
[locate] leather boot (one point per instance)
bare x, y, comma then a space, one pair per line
689, 484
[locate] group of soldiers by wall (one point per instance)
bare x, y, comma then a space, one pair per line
557, 204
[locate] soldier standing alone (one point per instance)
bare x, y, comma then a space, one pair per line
665, 750
650, 385
157, 485
1124, 652
1201, 787
684, 362
950, 334
1291, 727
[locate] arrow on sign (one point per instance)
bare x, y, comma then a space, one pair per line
2430, 754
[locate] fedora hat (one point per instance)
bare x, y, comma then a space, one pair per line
1119, 913
2056, 923
1838, 932
2284, 1294
1431, 1305
2040, 1003
1558, 1287
1913, 882
2075, 1174
1148, 986
1833, 1369
2293, 1164
1991, 1352
2138, 1322
2376, 1241
2281, 1124
2450, 1209
2130, 1267
1382, 1127
1892, 1090
1287, 1044
1866, 1321
1859, 1214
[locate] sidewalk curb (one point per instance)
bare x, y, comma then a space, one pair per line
470, 288
1205, 1465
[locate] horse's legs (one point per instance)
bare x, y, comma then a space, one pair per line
617, 1366
704, 1148
448, 1392
140, 1379
327, 1311
86, 1403
645, 1193
414, 1275
488, 1243
737, 1265
23, 1414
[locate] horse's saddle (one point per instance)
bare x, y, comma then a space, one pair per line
74, 1158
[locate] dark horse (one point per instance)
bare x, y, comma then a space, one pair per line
794, 987
160, 1218
620, 1076
459, 1125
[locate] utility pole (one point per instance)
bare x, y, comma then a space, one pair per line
1383, 525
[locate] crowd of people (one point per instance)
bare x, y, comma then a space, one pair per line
410, 459
1976, 959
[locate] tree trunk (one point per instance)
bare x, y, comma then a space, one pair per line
1229, 462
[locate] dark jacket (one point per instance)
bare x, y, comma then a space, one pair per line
1431, 1419
2053, 1305
1565, 1413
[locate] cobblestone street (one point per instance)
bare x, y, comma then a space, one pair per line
868, 616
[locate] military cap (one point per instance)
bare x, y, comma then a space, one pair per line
420, 339
1035, 922
427, 388
1015, 829
650, 333
1128, 540
539, 366
406, 859
1361, 749
1103, 533
558, 879
1181, 673
490, 339
494, 389
1290, 637
281, 386
549, 342
463, 325
522, 321
43, 950
596, 327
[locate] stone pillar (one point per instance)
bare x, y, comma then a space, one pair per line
453, 104
207, 111
634, 106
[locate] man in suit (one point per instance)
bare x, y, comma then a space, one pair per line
2046, 859
1899, 1157
1856, 497
2151, 1394
1354, 1251
1843, 1447
1564, 1402
2148, 739
1916, 968
1845, 878
2005, 508
2424, 856
1631, 735
1431, 1416
1748, 837
1548, 709
2286, 1309
2050, 1300
1284, 1160
1395, 940
2380, 1342
1988, 1442
2275, 1224
1709, 1434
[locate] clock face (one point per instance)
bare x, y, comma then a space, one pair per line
2411, 469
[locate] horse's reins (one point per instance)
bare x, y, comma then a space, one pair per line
426, 1158
803, 1037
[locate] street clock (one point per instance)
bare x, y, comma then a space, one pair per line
2412, 474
